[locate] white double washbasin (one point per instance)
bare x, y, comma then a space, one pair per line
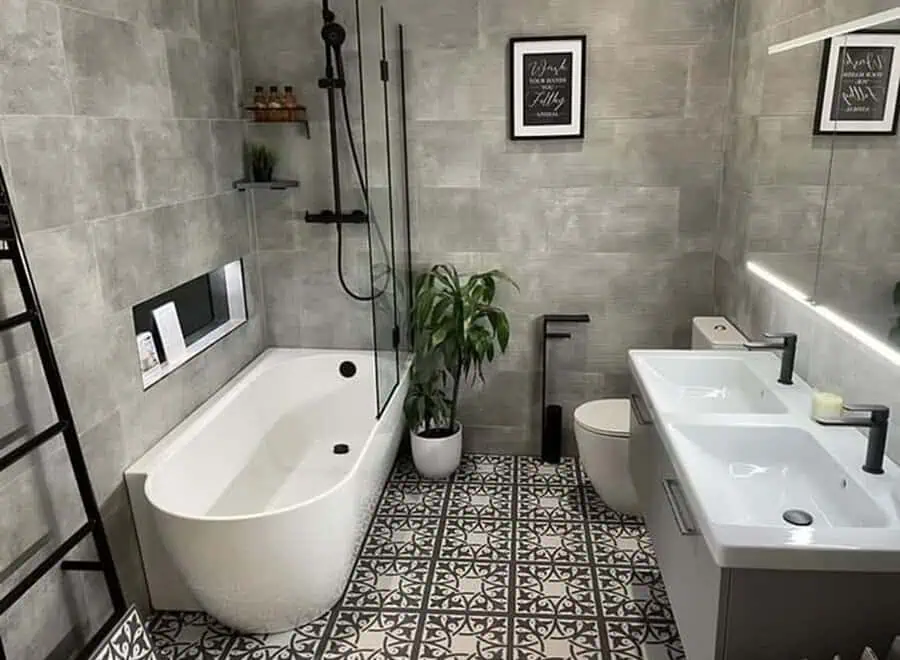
746, 452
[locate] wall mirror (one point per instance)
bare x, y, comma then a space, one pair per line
823, 193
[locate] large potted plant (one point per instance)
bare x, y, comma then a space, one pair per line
456, 330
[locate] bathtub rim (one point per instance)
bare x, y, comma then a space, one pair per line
175, 440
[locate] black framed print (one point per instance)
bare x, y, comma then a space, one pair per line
546, 87
860, 81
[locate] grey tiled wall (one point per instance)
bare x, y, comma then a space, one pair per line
119, 132
620, 225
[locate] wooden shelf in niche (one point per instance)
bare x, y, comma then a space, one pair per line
279, 116
277, 184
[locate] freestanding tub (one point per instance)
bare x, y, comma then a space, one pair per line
246, 510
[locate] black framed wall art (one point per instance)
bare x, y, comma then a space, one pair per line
858, 90
546, 87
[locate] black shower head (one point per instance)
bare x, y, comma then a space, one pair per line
334, 34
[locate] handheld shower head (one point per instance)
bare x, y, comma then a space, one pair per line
333, 34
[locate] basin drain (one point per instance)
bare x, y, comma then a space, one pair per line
797, 517
341, 448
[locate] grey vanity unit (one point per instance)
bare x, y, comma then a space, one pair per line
742, 613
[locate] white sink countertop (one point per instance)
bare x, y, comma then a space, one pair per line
745, 450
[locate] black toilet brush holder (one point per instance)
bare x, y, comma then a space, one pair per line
551, 445
551, 416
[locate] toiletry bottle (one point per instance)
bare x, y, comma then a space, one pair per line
259, 103
290, 102
275, 103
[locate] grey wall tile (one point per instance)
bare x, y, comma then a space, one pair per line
33, 80
228, 153
438, 25
143, 254
667, 152
638, 81
785, 218
104, 452
98, 365
708, 80
621, 219
466, 88
218, 234
469, 219
303, 299
202, 78
175, 158
67, 279
218, 22
697, 217
117, 68
180, 16
857, 221
443, 158
68, 169
505, 440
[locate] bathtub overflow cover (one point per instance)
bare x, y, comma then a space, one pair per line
341, 448
798, 517
347, 369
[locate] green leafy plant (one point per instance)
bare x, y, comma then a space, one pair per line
260, 162
456, 329
894, 335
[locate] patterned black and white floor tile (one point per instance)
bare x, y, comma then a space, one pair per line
509, 559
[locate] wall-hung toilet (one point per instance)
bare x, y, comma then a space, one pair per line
603, 427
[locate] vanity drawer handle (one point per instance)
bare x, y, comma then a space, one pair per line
640, 413
673, 493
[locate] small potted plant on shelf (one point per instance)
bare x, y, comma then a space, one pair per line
260, 162
456, 329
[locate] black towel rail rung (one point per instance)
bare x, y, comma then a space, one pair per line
45, 566
30, 445
17, 320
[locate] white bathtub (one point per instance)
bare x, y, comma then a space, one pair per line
245, 511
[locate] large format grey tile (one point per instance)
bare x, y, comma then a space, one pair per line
56, 166
620, 219
179, 16
465, 89
217, 22
66, 275
175, 158
143, 254
99, 367
446, 153
202, 77
33, 80
638, 81
228, 153
117, 68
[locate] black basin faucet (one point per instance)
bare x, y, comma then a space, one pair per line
877, 422
787, 342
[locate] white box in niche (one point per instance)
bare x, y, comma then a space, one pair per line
169, 327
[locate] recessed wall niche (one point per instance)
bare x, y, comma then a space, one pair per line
179, 324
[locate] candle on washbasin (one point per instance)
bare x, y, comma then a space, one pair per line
827, 404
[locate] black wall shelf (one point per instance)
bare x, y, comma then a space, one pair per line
278, 184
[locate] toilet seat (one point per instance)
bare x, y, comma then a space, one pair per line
609, 417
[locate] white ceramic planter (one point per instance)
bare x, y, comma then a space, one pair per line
437, 458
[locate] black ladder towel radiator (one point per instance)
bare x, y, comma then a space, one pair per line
12, 250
